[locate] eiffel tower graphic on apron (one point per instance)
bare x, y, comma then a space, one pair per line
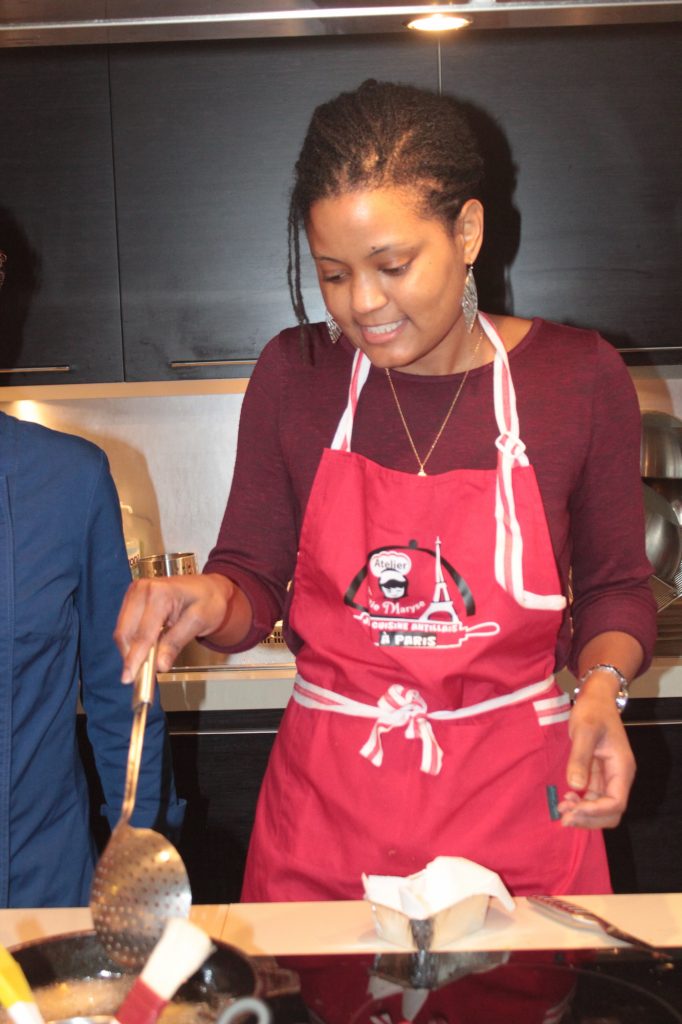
441, 605
411, 622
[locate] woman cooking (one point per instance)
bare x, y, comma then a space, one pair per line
425, 474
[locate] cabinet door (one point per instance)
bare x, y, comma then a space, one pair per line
584, 139
59, 314
205, 140
219, 759
645, 851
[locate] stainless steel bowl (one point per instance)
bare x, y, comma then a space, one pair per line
171, 563
663, 536
672, 492
661, 446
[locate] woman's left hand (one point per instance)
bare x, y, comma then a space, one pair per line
601, 765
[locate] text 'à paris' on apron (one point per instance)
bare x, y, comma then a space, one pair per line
425, 719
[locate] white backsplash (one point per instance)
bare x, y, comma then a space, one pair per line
172, 457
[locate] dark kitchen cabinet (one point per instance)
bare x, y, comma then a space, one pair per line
144, 196
60, 308
219, 758
582, 132
144, 189
205, 139
645, 851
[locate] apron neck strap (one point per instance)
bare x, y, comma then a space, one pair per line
508, 441
359, 374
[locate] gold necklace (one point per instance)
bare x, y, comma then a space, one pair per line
422, 462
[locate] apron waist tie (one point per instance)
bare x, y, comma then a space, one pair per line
401, 707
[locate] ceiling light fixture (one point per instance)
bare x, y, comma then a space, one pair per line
438, 22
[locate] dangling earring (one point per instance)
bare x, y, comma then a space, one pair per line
470, 299
333, 328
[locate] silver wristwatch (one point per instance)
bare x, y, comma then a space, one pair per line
623, 694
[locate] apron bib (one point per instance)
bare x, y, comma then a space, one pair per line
425, 719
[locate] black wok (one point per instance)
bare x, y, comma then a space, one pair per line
67, 968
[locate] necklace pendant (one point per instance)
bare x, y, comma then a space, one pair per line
422, 471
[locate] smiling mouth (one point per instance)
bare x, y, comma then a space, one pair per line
379, 331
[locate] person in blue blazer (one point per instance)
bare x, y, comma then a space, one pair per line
63, 574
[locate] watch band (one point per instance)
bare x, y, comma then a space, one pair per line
623, 694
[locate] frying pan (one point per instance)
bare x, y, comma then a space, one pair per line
79, 959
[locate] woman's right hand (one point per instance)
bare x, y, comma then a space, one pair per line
183, 607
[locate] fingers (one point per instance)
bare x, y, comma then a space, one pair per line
170, 610
586, 736
175, 637
600, 770
145, 610
595, 808
590, 812
599, 745
152, 612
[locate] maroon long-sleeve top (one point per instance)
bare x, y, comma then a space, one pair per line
579, 419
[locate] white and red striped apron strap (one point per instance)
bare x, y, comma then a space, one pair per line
511, 452
344, 431
404, 708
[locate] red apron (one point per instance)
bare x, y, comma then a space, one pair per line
425, 719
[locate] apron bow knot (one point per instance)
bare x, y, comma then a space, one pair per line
403, 708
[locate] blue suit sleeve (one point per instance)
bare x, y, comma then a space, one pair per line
104, 579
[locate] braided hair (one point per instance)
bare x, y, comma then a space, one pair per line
382, 134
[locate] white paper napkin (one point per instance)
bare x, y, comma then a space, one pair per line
444, 881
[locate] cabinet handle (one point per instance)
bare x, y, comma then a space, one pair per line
651, 348
36, 369
181, 364
224, 732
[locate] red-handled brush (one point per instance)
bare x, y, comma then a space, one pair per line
180, 952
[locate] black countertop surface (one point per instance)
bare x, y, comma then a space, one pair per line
619, 986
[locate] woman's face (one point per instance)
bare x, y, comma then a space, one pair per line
393, 279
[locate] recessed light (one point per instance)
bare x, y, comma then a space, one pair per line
438, 22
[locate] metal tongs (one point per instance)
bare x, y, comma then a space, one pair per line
562, 909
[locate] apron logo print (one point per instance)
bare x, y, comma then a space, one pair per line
407, 599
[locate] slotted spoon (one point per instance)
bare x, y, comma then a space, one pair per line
140, 880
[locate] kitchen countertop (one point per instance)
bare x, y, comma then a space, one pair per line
299, 929
261, 680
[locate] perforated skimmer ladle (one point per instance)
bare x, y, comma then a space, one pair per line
140, 880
